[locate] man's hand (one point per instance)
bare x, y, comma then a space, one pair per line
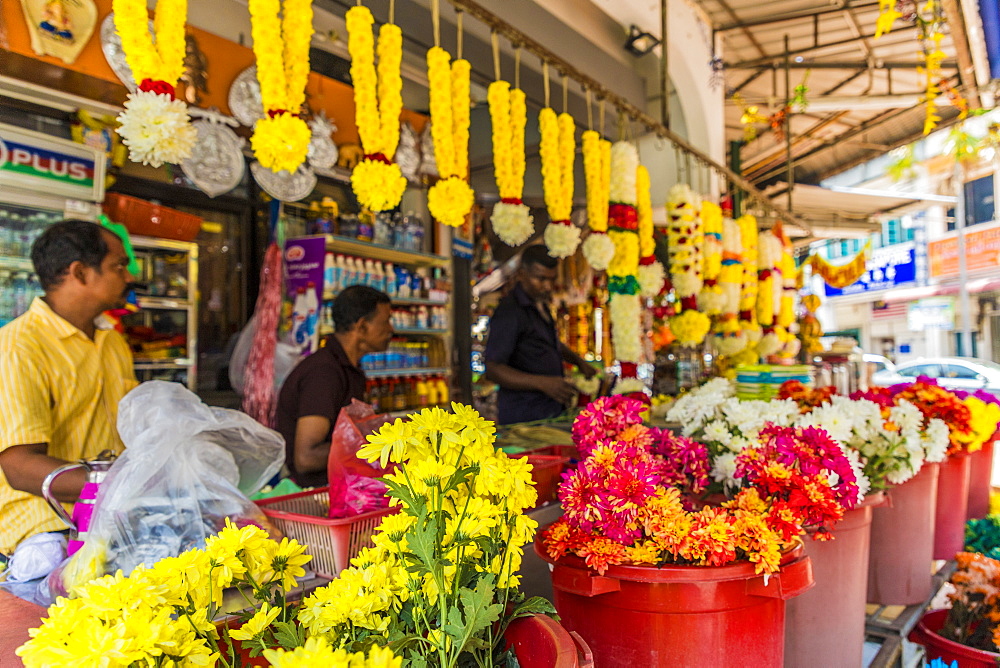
26, 466
557, 387
587, 370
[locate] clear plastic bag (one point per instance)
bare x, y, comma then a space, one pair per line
352, 488
187, 467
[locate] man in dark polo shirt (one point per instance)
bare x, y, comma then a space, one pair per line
326, 381
523, 355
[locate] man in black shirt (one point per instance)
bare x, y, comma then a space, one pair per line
326, 381
523, 355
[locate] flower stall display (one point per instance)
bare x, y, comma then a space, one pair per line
789, 292
651, 274
711, 300
282, 31
634, 518
557, 150
684, 242
451, 199
624, 306
155, 124
729, 337
598, 248
438, 587
512, 220
378, 182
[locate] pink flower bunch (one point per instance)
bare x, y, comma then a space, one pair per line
686, 463
609, 489
603, 420
807, 474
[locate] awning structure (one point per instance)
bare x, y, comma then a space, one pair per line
846, 212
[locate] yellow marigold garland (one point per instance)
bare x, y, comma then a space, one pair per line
598, 248
378, 100
748, 294
450, 200
711, 299
786, 313
729, 337
281, 32
557, 150
512, 220
840, 276
651, 274
155, 125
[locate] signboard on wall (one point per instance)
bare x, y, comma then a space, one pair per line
982, 251
39, 163
931, 313
888, 267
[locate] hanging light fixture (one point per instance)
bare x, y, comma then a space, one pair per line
639, 42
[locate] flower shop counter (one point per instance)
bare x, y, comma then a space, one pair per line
18, 616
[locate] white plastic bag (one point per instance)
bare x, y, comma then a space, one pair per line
187, 467
286, 356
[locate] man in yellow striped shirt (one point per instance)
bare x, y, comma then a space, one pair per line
62, 373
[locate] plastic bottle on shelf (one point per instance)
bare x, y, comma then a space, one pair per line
365, 229
417, 234
402, 282
339, 269
20, 293
421, 392
299, 309
432, 391
389, 275
329, 274
371, 278
422, 322
442, 390
6, 298
350, 273
329, 213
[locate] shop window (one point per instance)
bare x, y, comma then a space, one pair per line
893, 232
958, 371
932, 370
960, 345
979, 207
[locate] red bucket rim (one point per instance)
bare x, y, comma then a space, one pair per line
739, 570
931, 623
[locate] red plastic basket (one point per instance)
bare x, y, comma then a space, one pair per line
545, 472
332, 542
151, 220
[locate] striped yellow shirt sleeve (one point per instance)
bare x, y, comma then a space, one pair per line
25, 411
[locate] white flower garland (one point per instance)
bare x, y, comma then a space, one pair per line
624, 311
156, 128
561, 240
599, 250
513, 223
651, 278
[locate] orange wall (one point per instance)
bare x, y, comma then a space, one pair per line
225, 61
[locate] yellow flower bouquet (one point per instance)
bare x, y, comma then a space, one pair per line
439, 586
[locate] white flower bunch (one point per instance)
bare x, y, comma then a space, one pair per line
700, 404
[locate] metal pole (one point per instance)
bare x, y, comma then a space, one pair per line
664, 68
788, 125
963, 287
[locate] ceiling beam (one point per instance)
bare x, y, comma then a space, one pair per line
792, 16
746, 31
778, 58
960, 38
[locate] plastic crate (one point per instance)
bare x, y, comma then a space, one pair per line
545, 472
331, 542
151, 220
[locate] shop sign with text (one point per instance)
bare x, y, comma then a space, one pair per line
888, 267
982, 251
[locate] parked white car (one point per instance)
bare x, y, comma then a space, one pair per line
954, 373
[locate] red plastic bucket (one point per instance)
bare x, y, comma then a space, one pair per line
723, 617
541, 642
980, 479
826, 625
925, 633
902, 542
952, 506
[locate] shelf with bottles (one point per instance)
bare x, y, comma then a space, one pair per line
408, 371
406, 285
17, 290
404, 394
403, 355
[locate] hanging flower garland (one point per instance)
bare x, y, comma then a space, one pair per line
748, 292
840, 276
711, 300
451, 199
155, 124
623, 285
729, 337
512, 220
280, 140
557, 150
651, 274
770, 289
598, 248
789, 291
377, 181
684, 241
